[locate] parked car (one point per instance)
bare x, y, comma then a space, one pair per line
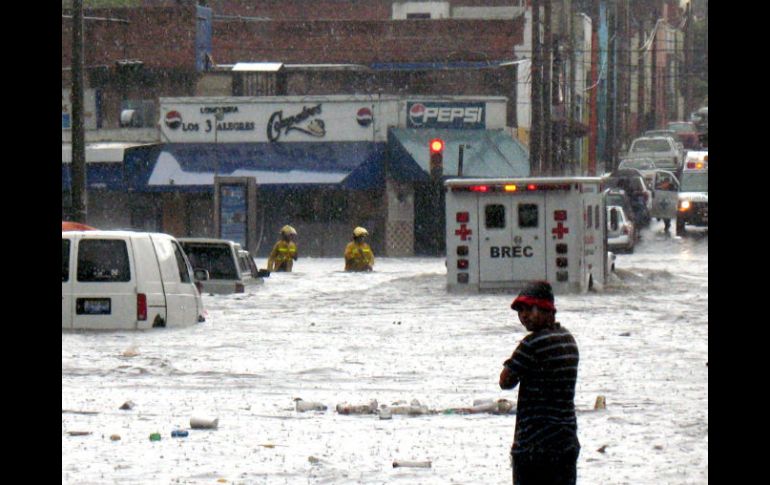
646, 167
225, 262
693, 206
126, 280
669, 133
687, 133
621, 232
618, 197
701, 119
663, 150
632, 183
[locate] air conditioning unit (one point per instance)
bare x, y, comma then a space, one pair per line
138, 114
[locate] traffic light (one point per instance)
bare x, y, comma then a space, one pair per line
436, 157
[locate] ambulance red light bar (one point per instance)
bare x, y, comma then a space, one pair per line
510, 188
479, 188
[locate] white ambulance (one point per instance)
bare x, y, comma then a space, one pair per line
504, 233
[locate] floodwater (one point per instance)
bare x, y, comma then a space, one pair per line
394, 335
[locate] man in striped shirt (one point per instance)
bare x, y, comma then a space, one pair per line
545, 444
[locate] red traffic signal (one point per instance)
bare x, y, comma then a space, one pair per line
436, 145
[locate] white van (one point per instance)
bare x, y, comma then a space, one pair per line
229, 266
126, 280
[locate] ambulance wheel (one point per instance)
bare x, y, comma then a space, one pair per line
679, 228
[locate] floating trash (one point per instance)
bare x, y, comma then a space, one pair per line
197, 422
411, 464
302, 406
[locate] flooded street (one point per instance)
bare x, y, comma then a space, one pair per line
324, 335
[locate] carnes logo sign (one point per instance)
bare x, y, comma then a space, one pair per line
445, 115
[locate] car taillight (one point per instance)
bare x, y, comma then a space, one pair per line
239, 288
141, 306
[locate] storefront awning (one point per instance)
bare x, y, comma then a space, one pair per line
487, 153
192, 166
104, 165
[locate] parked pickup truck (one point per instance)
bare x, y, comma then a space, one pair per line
664, 151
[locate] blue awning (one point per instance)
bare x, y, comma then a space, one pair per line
192, 166
488, 153
99, 176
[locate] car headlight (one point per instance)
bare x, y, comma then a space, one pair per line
684, 205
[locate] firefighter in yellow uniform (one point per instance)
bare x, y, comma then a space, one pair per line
358, 254
284, 252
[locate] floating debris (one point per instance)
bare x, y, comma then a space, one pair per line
301, 405
197, 422
601, 403
602, 449
411, 464
78, 433
127, 405
115, 437
346, 408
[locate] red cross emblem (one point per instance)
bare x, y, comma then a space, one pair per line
560, 230
463, 232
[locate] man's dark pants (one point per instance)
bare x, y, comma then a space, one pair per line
541, 469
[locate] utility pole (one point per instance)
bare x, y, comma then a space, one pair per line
609, 147
572, 106
640, 56
654, 75
536, 96
688, 58
547, 90
78, 188
593, 118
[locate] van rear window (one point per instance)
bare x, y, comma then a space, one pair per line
217, 260
103, 260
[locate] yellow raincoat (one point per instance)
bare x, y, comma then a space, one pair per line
282, 256
358, 257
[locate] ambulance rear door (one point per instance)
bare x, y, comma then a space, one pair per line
512, 238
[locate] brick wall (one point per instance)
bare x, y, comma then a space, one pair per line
162, 37
319, 9
329, 41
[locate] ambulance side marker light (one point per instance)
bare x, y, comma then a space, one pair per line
462, 250
561, 248
561, 262
560, 215
511, 188
463, 217
462, 264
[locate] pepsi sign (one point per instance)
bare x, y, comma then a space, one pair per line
445, 115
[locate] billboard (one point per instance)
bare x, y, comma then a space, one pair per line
225, 121
453, 115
